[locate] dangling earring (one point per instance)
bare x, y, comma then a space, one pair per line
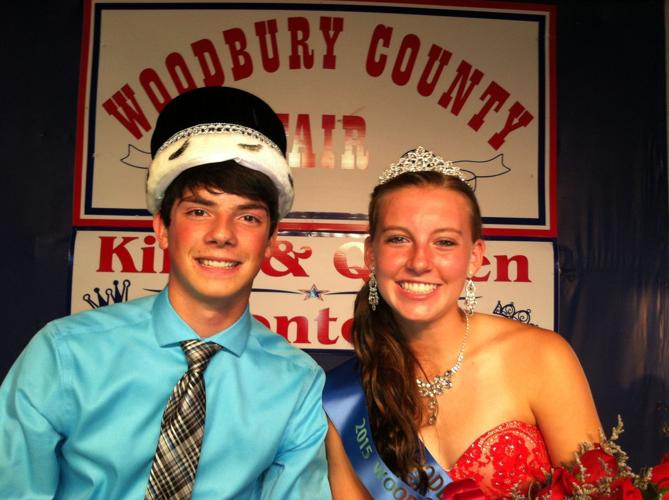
373, 298
470, 296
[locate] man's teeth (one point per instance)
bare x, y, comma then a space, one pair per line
418, 287
217, 263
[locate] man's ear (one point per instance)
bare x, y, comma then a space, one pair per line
271, 241
160, 229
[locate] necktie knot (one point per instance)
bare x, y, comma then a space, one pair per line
198, 353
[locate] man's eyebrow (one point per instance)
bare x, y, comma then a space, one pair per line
253, 205
196, 198
201, 200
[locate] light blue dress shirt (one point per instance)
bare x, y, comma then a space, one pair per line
80, 410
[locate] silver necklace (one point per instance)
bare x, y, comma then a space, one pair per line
435, 388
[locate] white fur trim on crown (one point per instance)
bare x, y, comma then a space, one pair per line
256, 153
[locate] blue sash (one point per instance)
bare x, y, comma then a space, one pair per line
346, 406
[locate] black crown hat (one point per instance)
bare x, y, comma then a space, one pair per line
215, 124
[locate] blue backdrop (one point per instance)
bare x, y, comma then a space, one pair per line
612, 195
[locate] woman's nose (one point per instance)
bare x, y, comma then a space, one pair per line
420, 259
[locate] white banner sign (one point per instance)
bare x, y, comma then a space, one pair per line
305, 291
356, 85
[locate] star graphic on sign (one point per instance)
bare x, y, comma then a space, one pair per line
314, 293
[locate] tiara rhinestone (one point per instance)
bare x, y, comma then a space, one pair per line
218, 128
420, 160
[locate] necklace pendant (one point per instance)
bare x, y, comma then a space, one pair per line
440, 383
433, 408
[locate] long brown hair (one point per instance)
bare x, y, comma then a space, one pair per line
388, 367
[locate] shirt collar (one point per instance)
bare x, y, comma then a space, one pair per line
170, 329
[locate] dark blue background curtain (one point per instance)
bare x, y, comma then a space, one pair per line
612, 194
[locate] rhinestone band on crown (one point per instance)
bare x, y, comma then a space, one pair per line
218, 128
420, 160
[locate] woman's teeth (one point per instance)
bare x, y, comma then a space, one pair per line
418, 287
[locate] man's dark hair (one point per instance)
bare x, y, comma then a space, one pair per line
228, 177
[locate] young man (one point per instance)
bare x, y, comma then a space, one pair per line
183, 393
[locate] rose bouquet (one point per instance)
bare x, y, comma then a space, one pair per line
601, 472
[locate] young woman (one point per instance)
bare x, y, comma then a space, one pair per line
437, 392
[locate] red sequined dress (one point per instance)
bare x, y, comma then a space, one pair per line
511, 453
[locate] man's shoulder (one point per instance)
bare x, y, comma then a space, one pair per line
280, 350
105, 318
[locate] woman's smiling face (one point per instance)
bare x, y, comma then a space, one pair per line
422, 251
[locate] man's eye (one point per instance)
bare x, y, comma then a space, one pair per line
445, 243
250, 218
396, 239
197, 212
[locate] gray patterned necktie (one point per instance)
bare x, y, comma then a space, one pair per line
182, 428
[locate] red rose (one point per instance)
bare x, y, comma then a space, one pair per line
626, 491
593, 461
660, 474
561, 485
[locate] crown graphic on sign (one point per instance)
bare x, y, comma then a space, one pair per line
509, 311
111, 295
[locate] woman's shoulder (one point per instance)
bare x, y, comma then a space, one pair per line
515, 340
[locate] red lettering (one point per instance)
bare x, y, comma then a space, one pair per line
284, 253
522, 268
406, 59
494, 96
302, 153
346, 330
301, 328
327, 155
502, 265
210, 64
425, 85
518, 117
323, 331
330, 27
464, 81
154, 88
381, 36
355, 154
179, 72
296, 329
124, 107
108, 251
340, 261
270, 62
148, 255
242, 65
299, 37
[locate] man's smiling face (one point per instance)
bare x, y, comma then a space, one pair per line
216, 243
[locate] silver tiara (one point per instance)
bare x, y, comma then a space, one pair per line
420, 160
